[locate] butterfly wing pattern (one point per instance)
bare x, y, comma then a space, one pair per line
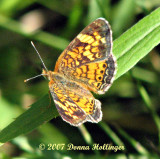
74, 103
87, 64
88, 59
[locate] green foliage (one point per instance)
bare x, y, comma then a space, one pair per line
139, 87
136, 42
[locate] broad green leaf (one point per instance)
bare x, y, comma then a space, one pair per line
39, 113
132, 46
8, 112
137, 42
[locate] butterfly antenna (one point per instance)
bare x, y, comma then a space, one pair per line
34, 77
39, 56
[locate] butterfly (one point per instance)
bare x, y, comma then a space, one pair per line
86, 65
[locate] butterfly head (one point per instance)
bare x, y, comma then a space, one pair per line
47, 74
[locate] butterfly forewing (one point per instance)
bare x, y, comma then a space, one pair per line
88, 59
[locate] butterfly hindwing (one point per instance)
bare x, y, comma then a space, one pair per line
75, 107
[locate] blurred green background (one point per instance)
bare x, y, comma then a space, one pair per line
51, 25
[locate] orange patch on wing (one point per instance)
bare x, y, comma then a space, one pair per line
79, 71
80, 48
88, 47
91, 76
96, 43
72, 54
95, 49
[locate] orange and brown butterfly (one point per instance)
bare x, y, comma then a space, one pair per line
87, 64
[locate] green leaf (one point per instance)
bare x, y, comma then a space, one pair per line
39, 113
137, 42
132, 46
123, 16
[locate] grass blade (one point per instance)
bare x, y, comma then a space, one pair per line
40, 112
